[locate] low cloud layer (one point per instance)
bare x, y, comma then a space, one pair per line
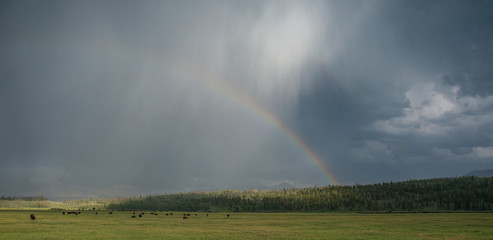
102, 99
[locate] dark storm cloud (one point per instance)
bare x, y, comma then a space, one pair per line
104, 98
408, 92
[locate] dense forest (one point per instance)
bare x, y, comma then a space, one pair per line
443, 194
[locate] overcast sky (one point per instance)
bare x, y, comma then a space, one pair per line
121, 98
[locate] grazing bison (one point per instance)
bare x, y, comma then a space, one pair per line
110, 212
185, 217
140, 215
188, 214
63, 213
133, 216
32, 216
227, 215
166, 214
96, 213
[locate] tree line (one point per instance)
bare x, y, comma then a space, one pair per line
441, 194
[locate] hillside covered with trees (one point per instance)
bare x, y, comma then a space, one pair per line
444, 194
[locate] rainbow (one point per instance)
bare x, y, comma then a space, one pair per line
155, 59
240, 97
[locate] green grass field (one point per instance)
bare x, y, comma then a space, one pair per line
15, 224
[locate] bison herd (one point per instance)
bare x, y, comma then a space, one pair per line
72, 212
185, 215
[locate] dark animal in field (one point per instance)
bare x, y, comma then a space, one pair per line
155, 214
140, 215
227, 215
207, 214
185, 217
188, 214
133, 213
63, 213
96, 213
166, 214
110, 212
79, 212
195, 214
133, 216
32, 216
143, 213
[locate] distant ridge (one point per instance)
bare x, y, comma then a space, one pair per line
280, 186
481, 173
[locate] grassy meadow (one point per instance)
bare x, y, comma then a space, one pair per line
49, 224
